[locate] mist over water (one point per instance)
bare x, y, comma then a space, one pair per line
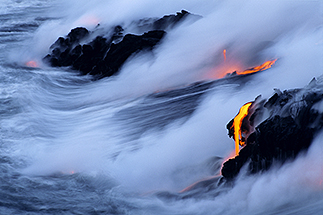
58, 124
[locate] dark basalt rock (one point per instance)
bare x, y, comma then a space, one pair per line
289, 131
120, 52
166, 22
62, 53
105, 55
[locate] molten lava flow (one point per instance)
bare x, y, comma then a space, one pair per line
262, 67
225, 54
243, 112
32, 64
231, 67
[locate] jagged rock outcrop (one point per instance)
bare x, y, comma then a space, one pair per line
289, 130
104, 55
164, 23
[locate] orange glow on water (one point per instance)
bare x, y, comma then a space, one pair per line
243, 112
68, 172
224, 69
32, 64
192, 186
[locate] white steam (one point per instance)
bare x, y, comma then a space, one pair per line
80, 119
296, 188
193, 52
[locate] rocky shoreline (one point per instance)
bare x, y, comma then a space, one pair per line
294, 121
289, 130
105, 54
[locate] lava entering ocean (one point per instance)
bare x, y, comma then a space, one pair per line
231, 67
239, 134
262, 67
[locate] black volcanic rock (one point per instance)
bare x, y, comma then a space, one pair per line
290, 130
62, 53
120, 52
101, 57
166, 22
105, 55
72, 38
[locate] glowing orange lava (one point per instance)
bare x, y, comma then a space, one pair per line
32, 64
231, 67
262, 67
225, 54
243, 112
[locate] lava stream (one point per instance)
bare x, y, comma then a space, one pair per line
238, 138
262, 67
